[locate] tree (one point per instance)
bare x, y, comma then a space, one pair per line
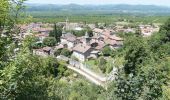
96, 25
102, 64
106, 51
8, 21
49, 41
79, 33
90, 33
22, 80
66, 52
142, 76
165, 31
136, 55
57, 33
57, 52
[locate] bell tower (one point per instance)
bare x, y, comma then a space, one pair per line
67, 24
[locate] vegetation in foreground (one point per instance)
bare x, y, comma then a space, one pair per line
145, 75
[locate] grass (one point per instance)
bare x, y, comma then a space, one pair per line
93, 65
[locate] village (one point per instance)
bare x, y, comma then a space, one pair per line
88, 53
82, 47
84, 50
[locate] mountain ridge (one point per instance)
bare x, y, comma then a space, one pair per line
102, 8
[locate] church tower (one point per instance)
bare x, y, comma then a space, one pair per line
67, 24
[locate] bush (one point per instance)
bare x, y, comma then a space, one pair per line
106, 51
61, 69
79, 33
57, 52
67, 73
37, 45
49, 41
66, 52
102, 64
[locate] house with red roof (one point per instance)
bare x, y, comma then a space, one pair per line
69, 39
46, 51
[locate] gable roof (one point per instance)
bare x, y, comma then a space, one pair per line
114, 37
81, 48
69, 37
97, 30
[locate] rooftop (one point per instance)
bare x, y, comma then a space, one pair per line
81, 48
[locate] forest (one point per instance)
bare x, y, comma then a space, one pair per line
24, 76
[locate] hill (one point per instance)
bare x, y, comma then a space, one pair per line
100, 9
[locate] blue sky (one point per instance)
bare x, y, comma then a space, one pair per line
96, 2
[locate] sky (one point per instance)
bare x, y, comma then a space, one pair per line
96, 2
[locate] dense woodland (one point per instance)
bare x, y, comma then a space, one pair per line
24, 76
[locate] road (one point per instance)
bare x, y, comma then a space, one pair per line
88, 76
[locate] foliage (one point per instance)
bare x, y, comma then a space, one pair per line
66, 52
37, 45
49, 41
101, 63
57, 33
29, 77
21, 80
143, 74
90, 32
137, 52
106, 51
79, 33
57, 52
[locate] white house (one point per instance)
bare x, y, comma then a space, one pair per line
68, 39
46, 51
81, 52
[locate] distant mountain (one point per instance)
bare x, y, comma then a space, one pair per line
105, 8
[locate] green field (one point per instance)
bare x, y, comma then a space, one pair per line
52, 17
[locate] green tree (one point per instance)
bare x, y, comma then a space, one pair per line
96, 25
102, 64
57, 33
90, 32
57, 52
106, 51
66, 52
142, 76
49, 41
22, 80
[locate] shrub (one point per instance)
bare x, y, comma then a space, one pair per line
102, 64
57, 52
49, 41
66, 52
106, 51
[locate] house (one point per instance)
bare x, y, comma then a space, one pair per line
81, 51
24, 35
115, 42
41, 30
60, 46
96, 46
41, 37
68, 39
97, 31
78, 29
46, 51
148, 30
